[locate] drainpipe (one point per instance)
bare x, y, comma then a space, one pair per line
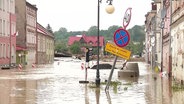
10, 39
170, 50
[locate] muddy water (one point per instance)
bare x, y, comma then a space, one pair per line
59, 84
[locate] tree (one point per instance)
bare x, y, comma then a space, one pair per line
61, 47
49, 29
63, 30
92, 30
75, 48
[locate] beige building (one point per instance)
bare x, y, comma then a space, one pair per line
45, 46
26, 27
177, 33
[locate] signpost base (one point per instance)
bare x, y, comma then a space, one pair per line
111, 73
84, 82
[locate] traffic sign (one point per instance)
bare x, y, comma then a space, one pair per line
127, 17
121, 37
118, 51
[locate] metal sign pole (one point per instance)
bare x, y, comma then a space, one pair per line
110, 76
126, 22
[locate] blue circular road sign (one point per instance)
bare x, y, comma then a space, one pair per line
121, 37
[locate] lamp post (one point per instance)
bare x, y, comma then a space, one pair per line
162, 27
109, 9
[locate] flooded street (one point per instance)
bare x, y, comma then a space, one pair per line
59, 84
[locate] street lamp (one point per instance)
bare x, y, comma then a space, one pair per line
109, 9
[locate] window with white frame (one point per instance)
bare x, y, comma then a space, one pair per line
13, 51
38, 43
13, 31
44, 42
8, 28
8, 51
1, 6
3, 29
8, 6
4, 50
27, 37
12, 6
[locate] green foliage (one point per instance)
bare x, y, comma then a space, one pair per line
135, 47
137, 36
75, 48
92, 31
61, 48
49, 28
137, 33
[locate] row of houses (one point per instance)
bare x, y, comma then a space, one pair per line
164, 45
22, 39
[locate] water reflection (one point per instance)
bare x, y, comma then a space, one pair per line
108, 97
86, 95
59, 84
159, 89
97, 93
17, 91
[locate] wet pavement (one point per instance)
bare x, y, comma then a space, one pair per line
59, 84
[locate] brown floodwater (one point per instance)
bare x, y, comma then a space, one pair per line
59, 84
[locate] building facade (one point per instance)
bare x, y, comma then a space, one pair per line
7, 33
45, 46
150, 35
26, 27
177, 34
169, 35
166, 36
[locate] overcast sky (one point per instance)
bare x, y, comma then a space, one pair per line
79, 15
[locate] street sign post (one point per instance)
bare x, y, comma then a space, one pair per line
121, 39
123, 53
127, 17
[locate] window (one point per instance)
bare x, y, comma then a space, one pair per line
38, 43
13, 28
4, 51
12, 6
8, 28
8, 51
8, 6
1, 2
1, 27
13, 51
3, 5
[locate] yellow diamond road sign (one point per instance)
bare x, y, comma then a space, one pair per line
118, 51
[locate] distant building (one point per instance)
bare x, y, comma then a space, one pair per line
87, 40
26, 27
45, 46
7, 33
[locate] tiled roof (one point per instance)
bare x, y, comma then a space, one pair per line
88, 39
42, 30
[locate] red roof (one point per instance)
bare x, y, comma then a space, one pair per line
88, 39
